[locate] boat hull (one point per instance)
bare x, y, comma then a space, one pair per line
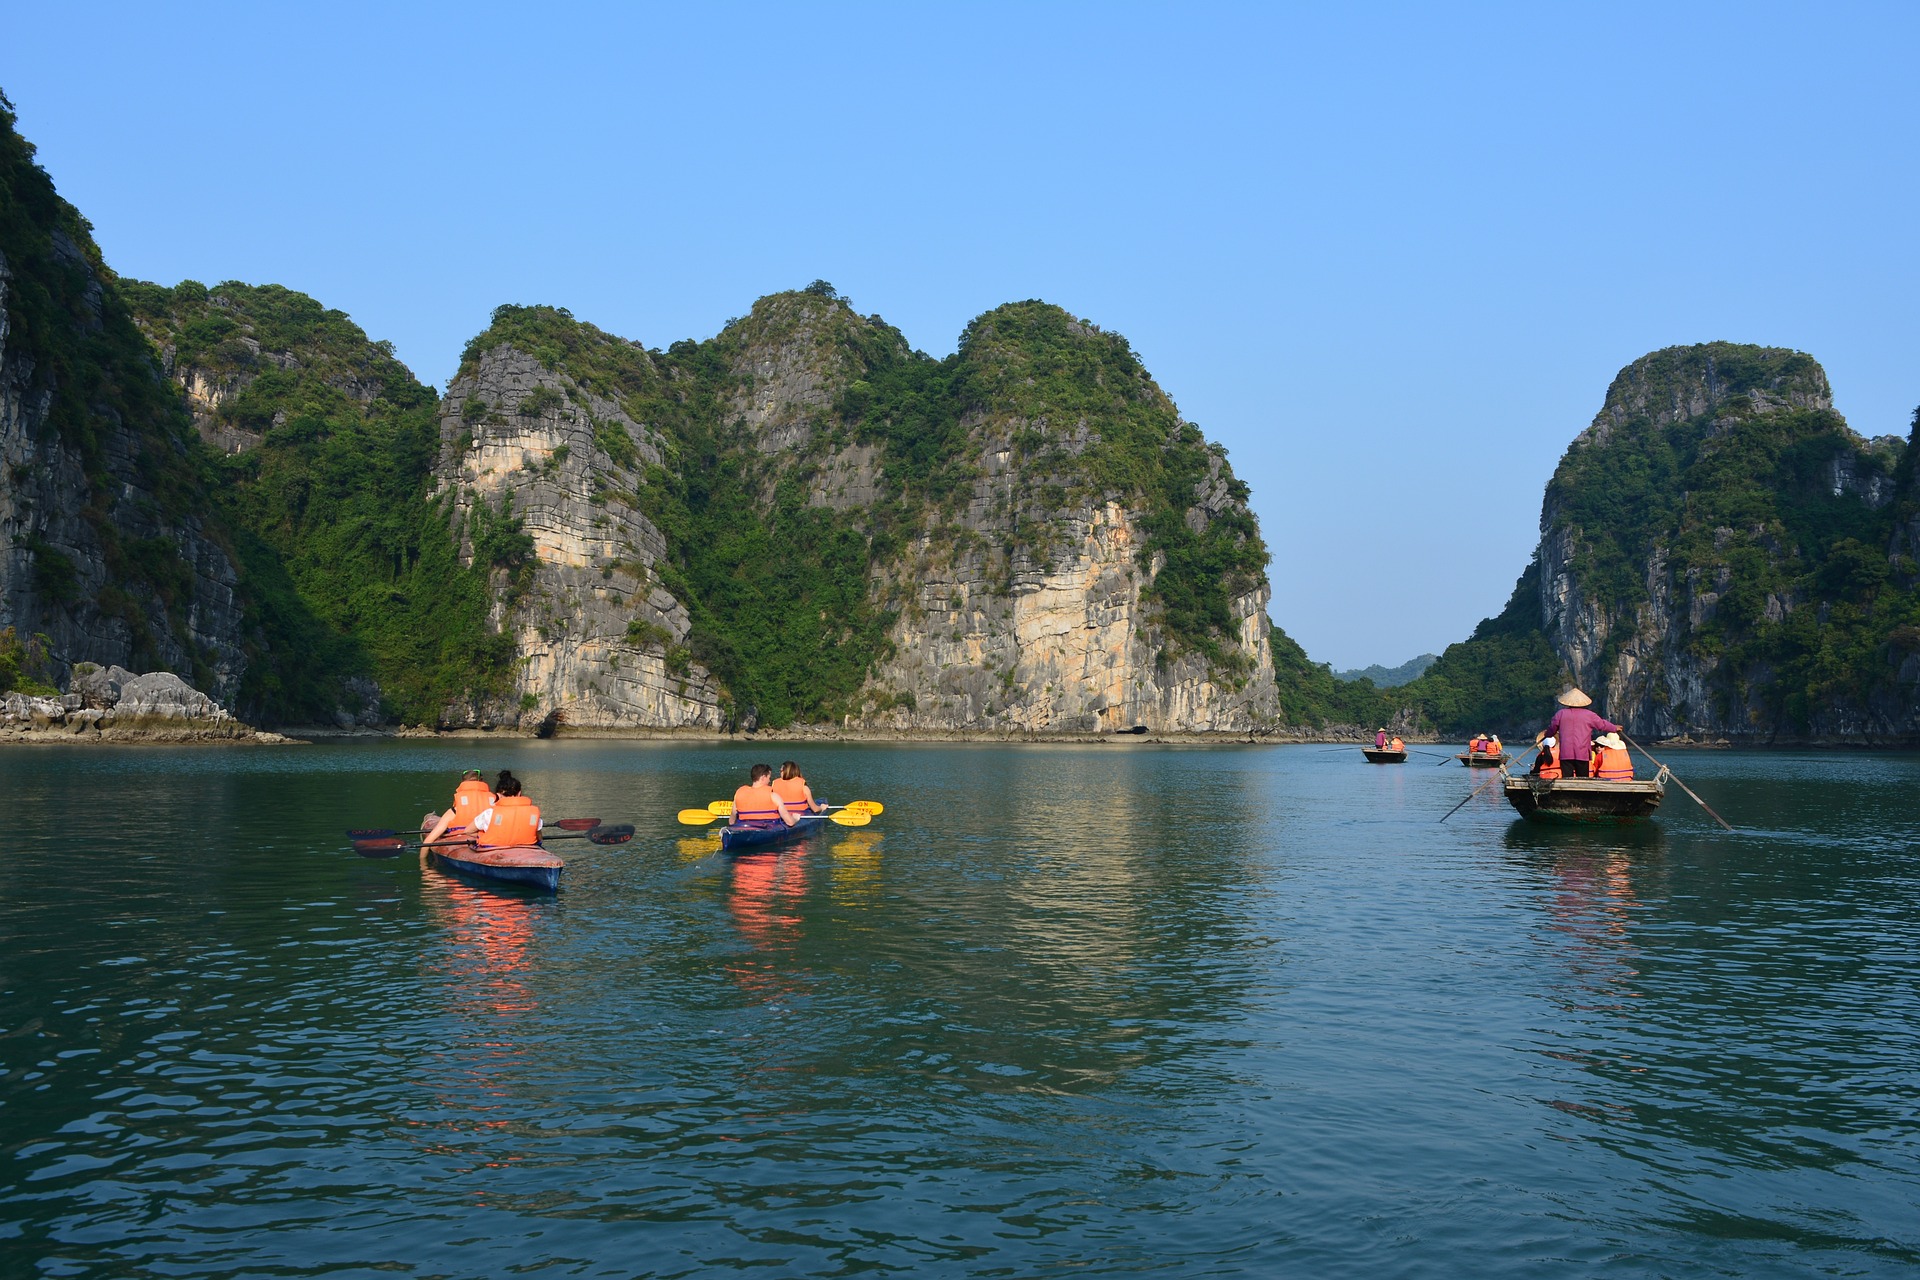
735, 838
1584, 801
1480, 760
1384, 757
532, 866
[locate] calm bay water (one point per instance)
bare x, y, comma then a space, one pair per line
1101, 1010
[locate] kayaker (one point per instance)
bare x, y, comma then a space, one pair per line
512, 823
755, 805
471, 798
1611, 762
1575, 725
1547, 763
793, 789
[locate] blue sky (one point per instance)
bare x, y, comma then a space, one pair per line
1390, 256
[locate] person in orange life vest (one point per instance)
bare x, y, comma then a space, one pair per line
1610, 758
470, 799
755, 805
512, 823
1493, 746
793, 789
1547, 763
1397, 745
1380, 739
1479, 743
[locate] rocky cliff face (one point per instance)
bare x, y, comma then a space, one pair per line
104, 544
600, 643
1719, 556
985, 543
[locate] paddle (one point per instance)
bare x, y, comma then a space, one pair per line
381, 833
845, 815
1676, 778
1497, 776
392, 844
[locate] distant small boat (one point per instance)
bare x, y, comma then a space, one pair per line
1585, 800
1481, 759
1376, 756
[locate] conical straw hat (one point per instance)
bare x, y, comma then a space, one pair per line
1575, 698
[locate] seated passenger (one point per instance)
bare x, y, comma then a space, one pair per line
1397, 744
470, 799
1610, 759
755, 805
1547, 763
512, 823
793, 789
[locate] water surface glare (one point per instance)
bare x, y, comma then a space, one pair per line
1101, 1010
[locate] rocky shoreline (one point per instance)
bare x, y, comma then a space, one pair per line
112, 704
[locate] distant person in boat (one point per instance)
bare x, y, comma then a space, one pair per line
1611, 763
793, 789
1479, 744
1493, 746
471, 798
1396, 744
1547, 763
512, 823
755, 805
1575, 725
1380, 739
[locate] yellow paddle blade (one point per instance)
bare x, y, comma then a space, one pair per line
697, 817
872, 808
720, 808
850, 817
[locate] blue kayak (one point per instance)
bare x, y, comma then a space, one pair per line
736, 837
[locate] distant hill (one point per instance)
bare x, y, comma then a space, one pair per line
1392, 677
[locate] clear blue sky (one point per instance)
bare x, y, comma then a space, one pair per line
1389, 256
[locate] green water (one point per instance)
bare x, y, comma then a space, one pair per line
1108, 1010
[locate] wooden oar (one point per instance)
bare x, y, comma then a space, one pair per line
1497, 776
1683, 786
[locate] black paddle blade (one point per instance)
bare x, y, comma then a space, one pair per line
577, 824
391, 847
372, 833
611, 835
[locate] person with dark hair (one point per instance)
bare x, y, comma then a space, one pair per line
793, 789
756, 805
513, 822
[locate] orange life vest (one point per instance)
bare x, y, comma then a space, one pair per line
1612, 763
470, 798
1397, 745
515, 823
793, 791
755, 807
1549, 768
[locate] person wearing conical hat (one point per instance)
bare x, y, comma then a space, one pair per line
1575, 725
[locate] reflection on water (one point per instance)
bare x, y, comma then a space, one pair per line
1113, 1009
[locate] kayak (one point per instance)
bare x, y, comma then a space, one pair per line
738, 838
529, 865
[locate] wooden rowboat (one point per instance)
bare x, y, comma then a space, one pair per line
1586, 800
737, 838
1481, 759
1376, 756
529, 865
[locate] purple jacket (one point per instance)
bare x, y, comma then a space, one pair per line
1575, 727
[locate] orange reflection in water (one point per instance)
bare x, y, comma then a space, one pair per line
763, 897
1592, 907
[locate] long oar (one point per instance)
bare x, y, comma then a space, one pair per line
1498, 775
1683, 786
381, 833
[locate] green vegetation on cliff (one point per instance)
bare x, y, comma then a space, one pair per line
791, 599
351, 564
1501, 679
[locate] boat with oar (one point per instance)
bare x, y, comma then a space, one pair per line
1381, 755
1482, 759
1586, 800
739, 837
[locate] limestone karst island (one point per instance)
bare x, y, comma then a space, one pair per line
967, 641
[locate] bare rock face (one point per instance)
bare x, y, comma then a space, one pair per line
105, 555
601, 642
112, 704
